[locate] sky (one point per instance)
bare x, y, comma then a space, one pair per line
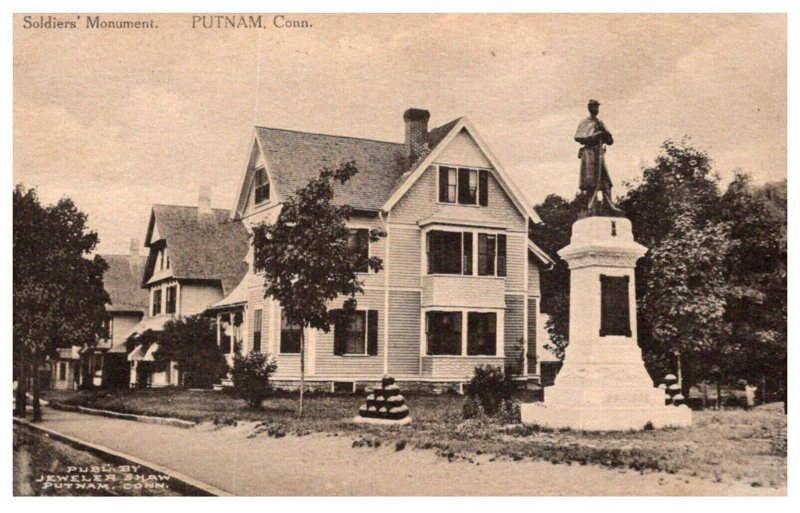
120, 119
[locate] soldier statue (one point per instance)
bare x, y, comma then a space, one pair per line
594, 178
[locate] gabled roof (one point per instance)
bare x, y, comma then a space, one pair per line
385, 175
503, 179
201, 247
294, 158
122, 283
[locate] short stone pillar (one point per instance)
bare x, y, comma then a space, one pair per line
603, 384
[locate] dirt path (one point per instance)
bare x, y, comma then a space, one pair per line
320, 464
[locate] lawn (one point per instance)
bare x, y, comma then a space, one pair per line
721, 445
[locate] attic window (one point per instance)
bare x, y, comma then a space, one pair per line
464, 186
262, 186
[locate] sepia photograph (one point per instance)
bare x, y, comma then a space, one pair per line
399, 255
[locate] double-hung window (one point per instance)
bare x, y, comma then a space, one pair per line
261, 185
291, 335
156, 302
464, 186
172, 293
444, 252
257, 321
356, 332
359, 243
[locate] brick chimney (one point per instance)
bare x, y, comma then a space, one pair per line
133, 257
416, 132
204, 201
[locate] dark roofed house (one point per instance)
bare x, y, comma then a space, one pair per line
103, 363
460, 284
196, 257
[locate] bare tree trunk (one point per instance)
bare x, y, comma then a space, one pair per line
37, 407
302, 369
719, 395
21, 406
705, 394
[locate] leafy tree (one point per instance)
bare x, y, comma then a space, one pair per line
59, 299
552, 234
251, 377
685, 298
712, 288
306, 258
757, 304
191, 342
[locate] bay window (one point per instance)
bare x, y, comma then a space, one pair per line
481, 334
443, 330
452, 253
456, 333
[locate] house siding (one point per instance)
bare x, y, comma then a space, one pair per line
514, 333
516, 249
405, 254
533, 278
340, 366
404, 333
123, 324
533, 311
194, 299
422, 201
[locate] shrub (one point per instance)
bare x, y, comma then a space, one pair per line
489, 386
251, 377
471, 409
509, 412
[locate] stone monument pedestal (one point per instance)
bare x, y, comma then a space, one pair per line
603, 384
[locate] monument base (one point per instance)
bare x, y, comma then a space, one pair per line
603, 384
599, 418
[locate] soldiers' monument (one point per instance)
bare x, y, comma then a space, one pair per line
603, 384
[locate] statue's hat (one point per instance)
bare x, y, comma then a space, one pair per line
594, 102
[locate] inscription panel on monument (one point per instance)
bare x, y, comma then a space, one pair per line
615, 317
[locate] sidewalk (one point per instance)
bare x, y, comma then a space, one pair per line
319, 464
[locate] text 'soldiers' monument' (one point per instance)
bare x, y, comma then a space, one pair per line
603, 384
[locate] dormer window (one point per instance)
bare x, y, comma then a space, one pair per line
464, 186
162, 259
262, 186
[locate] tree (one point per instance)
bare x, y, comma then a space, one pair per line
251, 377
711, 291
306, 257
757, 304
191, 342
59, 299
552, 234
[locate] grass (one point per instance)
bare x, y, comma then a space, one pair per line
36, 455
721, 445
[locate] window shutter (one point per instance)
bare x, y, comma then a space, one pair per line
339, 332
443, 184
483, 188
372, 332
